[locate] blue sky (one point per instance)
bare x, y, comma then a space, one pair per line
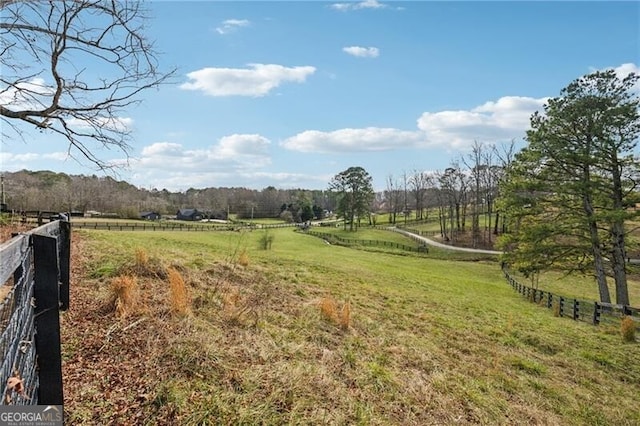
291, 93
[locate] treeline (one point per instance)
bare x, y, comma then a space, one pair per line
45, 190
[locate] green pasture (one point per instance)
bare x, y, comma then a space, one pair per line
431, 341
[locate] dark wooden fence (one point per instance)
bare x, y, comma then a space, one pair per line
171, 226
580, 310
335, 239
34, 280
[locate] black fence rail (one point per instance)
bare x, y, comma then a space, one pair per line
34, 287
589, 311
335, 239
159, 226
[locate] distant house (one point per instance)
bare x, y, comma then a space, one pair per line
189, 214
149, 215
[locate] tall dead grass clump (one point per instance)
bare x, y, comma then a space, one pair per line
329, 308
142, 258
628, 329
124, 295
243, 259
179, 293
333, 312
345, 316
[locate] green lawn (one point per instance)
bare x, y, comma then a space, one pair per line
430, 341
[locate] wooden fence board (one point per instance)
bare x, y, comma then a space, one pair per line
12, 253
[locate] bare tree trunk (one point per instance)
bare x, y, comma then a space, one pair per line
618, 252
596, 248
618, 264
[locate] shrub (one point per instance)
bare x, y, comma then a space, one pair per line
124, 295
180, 303
628, 329
266, 240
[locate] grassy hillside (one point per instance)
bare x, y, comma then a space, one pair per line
311, 333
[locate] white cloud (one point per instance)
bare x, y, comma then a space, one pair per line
506, 118
494, 121
163, 149
243, 146
353, 140
258, 80
230, 154
58, 156
234, 160
231, 25
622, 71
30, 160
31, 94
362, 52
366, 4
117, 124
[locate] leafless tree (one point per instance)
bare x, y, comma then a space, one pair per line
419, 182
454, 184
72, 68
393, 198
505, 154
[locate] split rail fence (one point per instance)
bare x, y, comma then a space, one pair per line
580, 310
332, 238
34, 288
159, 226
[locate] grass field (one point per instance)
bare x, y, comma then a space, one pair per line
311, 333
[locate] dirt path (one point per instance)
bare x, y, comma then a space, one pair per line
440, 245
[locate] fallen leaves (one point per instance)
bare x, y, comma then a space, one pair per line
15, 385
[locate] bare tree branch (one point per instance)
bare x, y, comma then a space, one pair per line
73, 68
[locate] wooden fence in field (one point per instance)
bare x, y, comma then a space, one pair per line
580, 310
34, 285
172, 226
335, 239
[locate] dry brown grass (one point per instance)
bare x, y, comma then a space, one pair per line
628, 329
124, 295
345, 316
179, 293
329, 308
243, 259
331, 311
142, 258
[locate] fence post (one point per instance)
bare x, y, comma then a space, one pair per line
596, 313
576, 309
549, 300
64, 263
47, 320
561, 304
